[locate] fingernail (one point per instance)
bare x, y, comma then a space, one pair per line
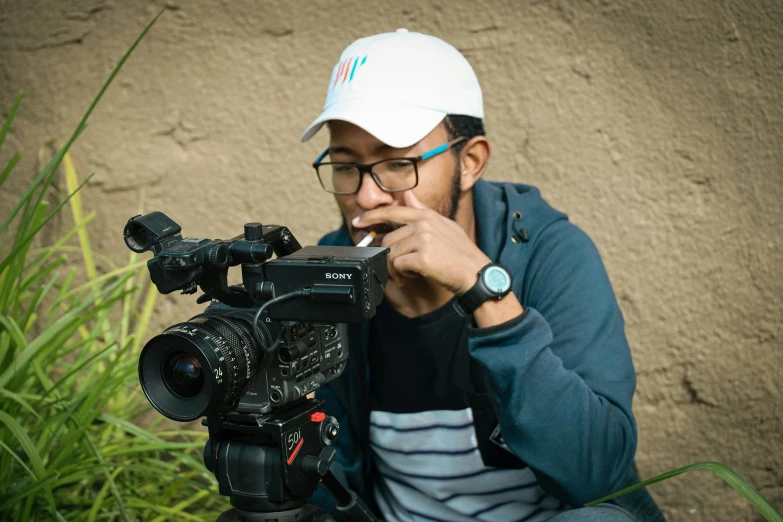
355, 221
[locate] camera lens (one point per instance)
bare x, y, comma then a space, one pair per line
182, 374
200, 367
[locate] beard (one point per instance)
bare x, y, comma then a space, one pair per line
455, 193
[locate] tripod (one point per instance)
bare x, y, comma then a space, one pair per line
270, 465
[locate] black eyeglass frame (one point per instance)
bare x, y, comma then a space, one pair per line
367, 167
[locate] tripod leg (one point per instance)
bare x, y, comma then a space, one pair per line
348, 502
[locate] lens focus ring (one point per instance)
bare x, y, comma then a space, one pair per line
241, 346
238, 355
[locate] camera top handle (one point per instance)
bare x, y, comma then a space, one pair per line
185, 263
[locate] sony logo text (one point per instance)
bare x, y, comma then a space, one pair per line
337, 276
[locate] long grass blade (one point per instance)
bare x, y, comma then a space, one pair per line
75, 369
37, 301
177, 509
35, 184
71, 184
17, 336
25, 242
16, 457
99, 500
119, 272
730, 476
16, 259
39, 274
59, 247
119, 66
10, 118
8, 168
27, 445
109, 480
167, 512
19, 400
144, 320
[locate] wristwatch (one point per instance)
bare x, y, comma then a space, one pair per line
494, 281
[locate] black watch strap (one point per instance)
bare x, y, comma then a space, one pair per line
467, 303
470, 300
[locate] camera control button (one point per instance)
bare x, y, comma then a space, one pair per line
300, 376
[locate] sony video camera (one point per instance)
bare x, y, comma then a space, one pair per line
261, 345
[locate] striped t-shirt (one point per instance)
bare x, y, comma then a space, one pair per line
422, 434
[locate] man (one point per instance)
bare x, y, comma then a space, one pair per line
495, 381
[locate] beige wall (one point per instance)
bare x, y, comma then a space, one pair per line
655, 124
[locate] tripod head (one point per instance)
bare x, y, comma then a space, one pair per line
270, 465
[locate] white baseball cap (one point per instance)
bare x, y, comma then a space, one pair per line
399, 86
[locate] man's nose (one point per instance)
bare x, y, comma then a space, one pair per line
370, 194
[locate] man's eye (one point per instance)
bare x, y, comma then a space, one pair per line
400, 165
342, 169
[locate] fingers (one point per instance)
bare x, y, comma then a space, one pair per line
412, 201
405, 246
419, 244
410, 263
395, 236
397, 215
413, 210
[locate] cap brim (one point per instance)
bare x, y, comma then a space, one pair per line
397, 126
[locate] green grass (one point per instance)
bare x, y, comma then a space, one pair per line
731, 477
69, 392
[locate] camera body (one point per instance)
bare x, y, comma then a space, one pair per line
260, 345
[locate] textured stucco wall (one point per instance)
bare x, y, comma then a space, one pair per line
657, 125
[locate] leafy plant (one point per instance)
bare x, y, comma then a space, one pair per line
69, 393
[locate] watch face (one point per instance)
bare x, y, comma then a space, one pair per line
497, 279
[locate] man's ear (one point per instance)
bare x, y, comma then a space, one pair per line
473, 160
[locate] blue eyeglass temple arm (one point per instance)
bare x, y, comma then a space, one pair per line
320, 158
428, 154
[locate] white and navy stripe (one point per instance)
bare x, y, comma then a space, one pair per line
431, 470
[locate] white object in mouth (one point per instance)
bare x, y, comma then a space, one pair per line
366, 240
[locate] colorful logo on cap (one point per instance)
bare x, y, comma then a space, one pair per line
346, 70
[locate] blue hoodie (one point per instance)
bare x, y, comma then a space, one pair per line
561, 378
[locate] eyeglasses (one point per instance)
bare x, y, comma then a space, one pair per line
391, 174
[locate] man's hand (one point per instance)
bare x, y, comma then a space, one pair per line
427, 245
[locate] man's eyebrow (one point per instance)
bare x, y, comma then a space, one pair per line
339, 149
